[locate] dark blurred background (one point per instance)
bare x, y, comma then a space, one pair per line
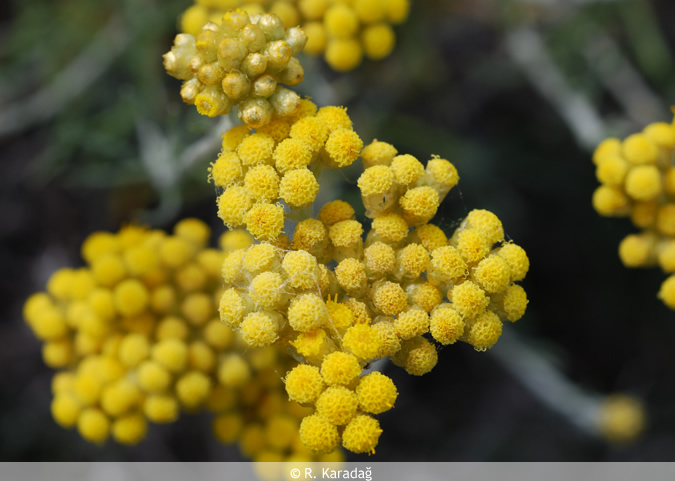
516, 93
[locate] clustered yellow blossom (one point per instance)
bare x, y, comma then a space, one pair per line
638, 181
343, 31
241, 60
622, 418
280, 162
395, 290
136, 338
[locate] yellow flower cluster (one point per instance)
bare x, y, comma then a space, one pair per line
241, 60
343, 31
136, 337
638, 181
280, 161
384, 298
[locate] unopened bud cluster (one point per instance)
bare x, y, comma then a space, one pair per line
638, 181
280, 162
136, 337
242, 60
342, 31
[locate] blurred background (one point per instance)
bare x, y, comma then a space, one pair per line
516, 93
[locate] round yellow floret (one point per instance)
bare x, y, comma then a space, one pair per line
170, 353
93, 425
516, 257
412, 260
667, 292
311, 131
233, 204
424, 295
335, 211
468, 299
319, 435
665, 219
232, 307
441, 175
378, 153
643, 182
343, 54
310, 234
417, 356
49, 324
57, 353
226, 170
233, 137
266, 289
484, 331
133, 349
262, 183
65, 409
301, 269
197, 308
666, 256
60, 282
234, 371
340, 368
337, 405
161, 408
340, 315
261, 258
307, 313
411, 323
610, 201
193, 388
379, 259
376, 180
447, 325
621, 418
390, 298
343, 147
430, 236
638, 149
228, 427
234, 240
341, 20
487, 224
131, 297
153, 377
174, 252
514, 302
612, 170
362, 434
378, 41
419, 205
376, 393
316, 38
661, 133
280, 431
472, 246
95, 245
265, 221
390, 228
351, 275
313, 345
130, 429
256, 149
606, 148
637, 250
120, 396
445, 266
108, 270
298, 187
346, 233
304, 383
406, 169
397, 10
259, 329
292, 154
492, 274
391, 343
363, 341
